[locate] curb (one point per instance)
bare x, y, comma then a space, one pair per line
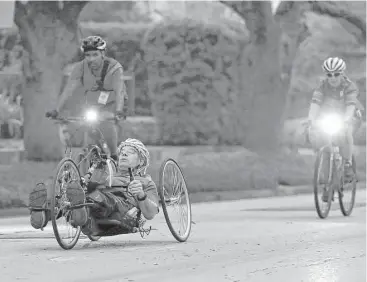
217, 196
11, 156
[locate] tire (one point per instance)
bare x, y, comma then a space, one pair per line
55, 212
101, 176
93, 238
347, 210
322, 213
167, 202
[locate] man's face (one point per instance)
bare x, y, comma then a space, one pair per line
94, 59
128, 157
334, 78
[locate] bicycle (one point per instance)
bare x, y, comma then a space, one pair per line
333, 181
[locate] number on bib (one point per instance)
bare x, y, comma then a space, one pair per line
103, 97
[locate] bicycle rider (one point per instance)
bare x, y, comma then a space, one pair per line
100, 78
337, 93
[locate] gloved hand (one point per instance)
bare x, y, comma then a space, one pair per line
52, 114
119, 115
308, 124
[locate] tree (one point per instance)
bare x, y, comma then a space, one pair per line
263, 95
49, 33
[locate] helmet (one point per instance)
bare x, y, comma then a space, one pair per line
142, 151
334, 64
93, 43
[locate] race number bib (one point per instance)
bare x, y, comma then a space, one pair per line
103, 97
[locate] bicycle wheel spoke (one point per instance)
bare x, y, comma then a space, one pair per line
176, 204
65, 233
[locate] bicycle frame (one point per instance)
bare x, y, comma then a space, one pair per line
336, 162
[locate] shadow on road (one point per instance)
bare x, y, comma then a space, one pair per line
84, 245
335, 206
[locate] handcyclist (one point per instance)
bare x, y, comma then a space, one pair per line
101, 80
110, 203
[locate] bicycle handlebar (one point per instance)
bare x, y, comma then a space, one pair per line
80, 119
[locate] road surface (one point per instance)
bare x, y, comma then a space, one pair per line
272, 239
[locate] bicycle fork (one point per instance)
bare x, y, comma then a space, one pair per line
335, 169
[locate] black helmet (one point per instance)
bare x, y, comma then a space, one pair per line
93, 43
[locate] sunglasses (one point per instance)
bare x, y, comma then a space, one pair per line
333, 74
128, 151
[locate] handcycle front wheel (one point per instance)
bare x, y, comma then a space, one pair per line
174, 196
326, 187
108, 171
100, 175
66, 172
346, 207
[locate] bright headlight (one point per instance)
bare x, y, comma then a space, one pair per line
91, 115
331, 124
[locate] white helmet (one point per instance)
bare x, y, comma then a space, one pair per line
142, 151
334, 64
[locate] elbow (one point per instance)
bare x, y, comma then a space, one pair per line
150, 213
149, 216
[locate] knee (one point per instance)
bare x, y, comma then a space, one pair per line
349, 135
64, 135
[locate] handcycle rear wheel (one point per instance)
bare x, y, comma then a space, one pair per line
322, 208
173, 192
345, 208
66, 172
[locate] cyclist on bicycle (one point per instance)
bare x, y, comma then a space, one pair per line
100, 78
337, 93
113, 203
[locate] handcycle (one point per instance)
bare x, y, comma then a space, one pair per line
333, 172
92, 156
172, 191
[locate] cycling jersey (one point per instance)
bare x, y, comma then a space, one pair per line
149, 187
337, 98
97, 93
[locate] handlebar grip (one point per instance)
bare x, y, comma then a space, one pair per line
131, 174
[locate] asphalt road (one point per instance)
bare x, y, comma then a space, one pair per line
273, 239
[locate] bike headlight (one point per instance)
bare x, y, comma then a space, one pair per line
91, 115
331, 124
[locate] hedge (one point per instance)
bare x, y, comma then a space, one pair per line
193, 79
206, 172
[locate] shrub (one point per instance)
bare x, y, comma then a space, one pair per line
211, 172
193, 82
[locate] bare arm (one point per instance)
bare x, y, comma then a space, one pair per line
149, 207
119, 88
351, 100
317, 99
74, 81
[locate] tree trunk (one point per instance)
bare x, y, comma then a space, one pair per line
290, 16
49, 34
339, 9
264, 98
